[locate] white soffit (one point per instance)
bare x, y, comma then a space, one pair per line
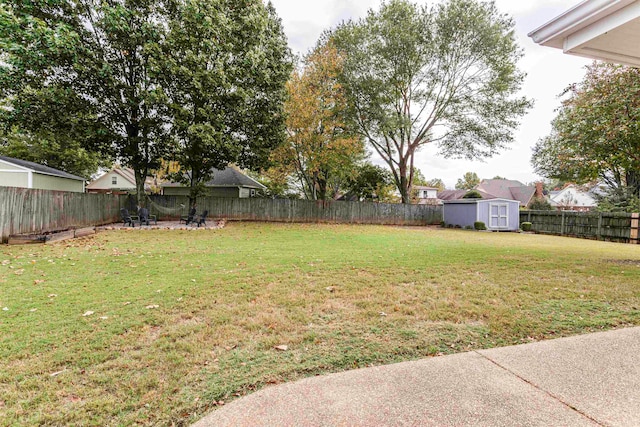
608, 30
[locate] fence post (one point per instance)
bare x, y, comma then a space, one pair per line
562, 225
529, 216
599, 232
635, 228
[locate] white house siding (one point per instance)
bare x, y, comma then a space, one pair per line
49, 182
105, 182
13, 177
570, 198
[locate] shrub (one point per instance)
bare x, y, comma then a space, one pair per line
526, 226
540, 204
468, 227
443, 224
479, 225
472, 194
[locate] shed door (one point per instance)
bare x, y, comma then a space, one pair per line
499, 215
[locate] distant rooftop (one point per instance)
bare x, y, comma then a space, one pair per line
36, 167
228, 177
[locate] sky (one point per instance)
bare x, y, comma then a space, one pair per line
549, 72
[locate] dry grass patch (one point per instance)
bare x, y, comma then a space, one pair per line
182, 321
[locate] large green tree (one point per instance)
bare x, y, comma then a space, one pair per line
596, 134
84, 70
469, 181
224, 69
52, 149
443, 75
370, 182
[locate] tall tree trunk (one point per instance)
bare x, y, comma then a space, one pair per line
141, 177
405, 183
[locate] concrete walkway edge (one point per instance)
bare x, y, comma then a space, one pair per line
587, 380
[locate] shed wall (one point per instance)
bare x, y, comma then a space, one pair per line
460, 214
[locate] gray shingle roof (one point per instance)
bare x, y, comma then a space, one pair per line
508, 189
228, 177
41, 168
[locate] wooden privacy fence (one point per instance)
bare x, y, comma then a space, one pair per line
286, 210
617, 227
25, 211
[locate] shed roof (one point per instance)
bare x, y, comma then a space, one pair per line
459, 194
473, 201
42, 169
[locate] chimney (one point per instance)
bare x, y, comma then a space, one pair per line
539, 190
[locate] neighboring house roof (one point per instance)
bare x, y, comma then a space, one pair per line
508, 189
228, 177
570, 196
42, 169
126, 173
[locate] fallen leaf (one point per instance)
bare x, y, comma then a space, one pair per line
52, 295
6, 262
282, 347
149, 307
382, 313
126, 303
179, 299
5, 308
55, 374
104, 317
38, 281
330, 288
33, 309
87, 313
19, 272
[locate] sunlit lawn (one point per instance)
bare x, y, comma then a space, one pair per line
155, 327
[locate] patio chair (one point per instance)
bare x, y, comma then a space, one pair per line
201, 219
126, 218
189, 218
143, 216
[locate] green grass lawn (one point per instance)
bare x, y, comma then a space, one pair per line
185, 320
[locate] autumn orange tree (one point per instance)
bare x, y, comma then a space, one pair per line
320, 151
